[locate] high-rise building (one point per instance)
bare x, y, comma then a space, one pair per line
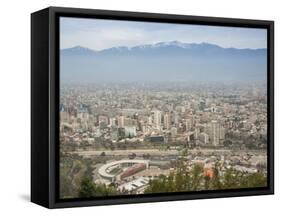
174, 132
121, 121
188, 124
150, 120
167, 121
130, 132
157, 119
204, 138
64, 116
216, 133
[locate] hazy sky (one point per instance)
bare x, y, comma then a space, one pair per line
100, 34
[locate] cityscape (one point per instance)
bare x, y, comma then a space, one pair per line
161, 117
128, 134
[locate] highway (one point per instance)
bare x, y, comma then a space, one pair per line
157, 152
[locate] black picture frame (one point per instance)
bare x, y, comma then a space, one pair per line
45, 105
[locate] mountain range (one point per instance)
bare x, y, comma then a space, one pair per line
163, 61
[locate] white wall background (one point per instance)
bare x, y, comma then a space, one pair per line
15, 107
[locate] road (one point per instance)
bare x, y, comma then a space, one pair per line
157, 152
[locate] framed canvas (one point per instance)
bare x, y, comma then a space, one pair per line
132, 107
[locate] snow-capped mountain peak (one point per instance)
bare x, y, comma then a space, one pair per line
170, 43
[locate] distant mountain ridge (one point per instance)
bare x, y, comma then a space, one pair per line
160, 45
162, 61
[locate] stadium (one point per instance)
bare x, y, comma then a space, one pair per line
118, 170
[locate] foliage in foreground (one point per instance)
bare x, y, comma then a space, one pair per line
73, 169
195, 180
89, 189
76, 179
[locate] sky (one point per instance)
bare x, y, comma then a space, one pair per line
99, 34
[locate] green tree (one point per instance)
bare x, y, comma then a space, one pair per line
87, 188
232, 179
216, 180
197, 176
254, 180
207, 181
184, 179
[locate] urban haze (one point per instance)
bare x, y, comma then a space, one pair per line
168, 116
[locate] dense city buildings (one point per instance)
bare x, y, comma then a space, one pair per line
132, 133
149, 107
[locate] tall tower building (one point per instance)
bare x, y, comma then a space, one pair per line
174, 132
150, 120
167, 121
157, 119
188, 124
216, 133
121, 121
